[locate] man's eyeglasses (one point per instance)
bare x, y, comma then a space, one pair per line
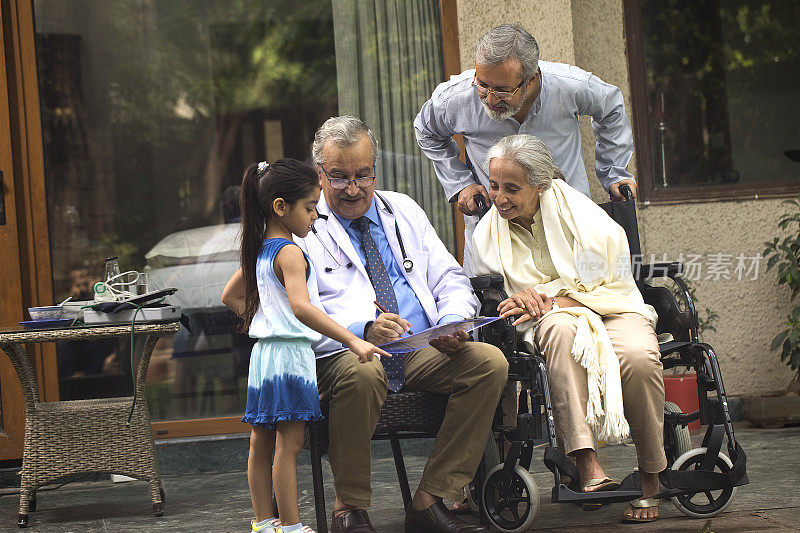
343, 183
502, 95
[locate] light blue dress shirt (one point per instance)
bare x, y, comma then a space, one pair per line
567, 93
408, 304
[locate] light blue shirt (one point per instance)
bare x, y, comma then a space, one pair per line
567, 92
408, 304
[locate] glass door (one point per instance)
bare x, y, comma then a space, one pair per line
150, 111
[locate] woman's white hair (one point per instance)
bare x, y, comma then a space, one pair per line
531, 154
344, 131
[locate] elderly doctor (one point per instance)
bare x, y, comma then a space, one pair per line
370, 246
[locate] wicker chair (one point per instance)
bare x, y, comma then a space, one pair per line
404, 415
85, 436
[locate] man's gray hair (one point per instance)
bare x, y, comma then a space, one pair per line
531, 154
344, 131
508, 41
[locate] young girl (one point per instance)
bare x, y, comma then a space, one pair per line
275, 292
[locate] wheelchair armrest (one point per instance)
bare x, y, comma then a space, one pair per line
490, 290
489, 281
660, 270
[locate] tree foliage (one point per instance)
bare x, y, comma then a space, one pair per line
784, 256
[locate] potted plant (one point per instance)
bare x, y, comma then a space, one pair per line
784, 256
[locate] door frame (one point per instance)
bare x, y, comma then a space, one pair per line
11, 399
27, 260
26, 151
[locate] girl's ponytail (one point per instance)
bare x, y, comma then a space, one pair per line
254, 223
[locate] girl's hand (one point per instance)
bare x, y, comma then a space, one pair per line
526, 305
365, 351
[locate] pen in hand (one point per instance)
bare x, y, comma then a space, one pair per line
382, 309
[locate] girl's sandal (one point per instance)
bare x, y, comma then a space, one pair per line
273, 525
641, 503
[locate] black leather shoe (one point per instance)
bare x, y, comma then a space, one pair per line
352, 521
437, 519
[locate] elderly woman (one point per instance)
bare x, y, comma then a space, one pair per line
566, 265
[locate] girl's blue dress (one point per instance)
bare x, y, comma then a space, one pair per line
282, 383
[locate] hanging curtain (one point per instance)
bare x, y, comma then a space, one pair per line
388, 61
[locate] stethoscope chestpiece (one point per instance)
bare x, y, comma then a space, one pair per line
408, 265
331, 269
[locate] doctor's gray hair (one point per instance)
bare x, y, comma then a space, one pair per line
531, 154
508, 41
344, 131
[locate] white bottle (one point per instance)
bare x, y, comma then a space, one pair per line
102, 289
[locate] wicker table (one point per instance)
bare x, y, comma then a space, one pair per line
84, 436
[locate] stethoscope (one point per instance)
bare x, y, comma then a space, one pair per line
408, 264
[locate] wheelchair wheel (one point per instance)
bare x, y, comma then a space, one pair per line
681, 441
491, 458
708, 503
511, 504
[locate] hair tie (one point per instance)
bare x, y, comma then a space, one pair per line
262, 166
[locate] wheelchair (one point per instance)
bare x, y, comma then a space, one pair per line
701, 482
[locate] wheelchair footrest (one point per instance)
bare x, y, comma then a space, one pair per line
556, 461
563, 494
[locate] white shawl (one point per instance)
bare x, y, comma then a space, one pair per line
590, 253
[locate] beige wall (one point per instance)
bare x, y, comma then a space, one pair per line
589, 33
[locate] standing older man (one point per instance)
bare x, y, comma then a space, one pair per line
368, 246
509, 92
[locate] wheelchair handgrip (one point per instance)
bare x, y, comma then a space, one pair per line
489, 281
480, 202
626, 192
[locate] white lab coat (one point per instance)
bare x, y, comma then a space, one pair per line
346, 293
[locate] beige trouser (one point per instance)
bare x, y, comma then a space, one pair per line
473, 378
640, 368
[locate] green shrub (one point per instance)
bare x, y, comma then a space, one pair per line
784, 256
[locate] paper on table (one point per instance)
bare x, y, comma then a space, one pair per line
423, 338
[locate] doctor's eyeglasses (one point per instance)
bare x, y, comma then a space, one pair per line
343, 182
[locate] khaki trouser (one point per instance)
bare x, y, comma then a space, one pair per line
473, 378
640, 368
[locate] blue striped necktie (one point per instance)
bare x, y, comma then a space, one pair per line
384, 293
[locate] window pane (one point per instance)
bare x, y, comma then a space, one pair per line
150, 112
723, 85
